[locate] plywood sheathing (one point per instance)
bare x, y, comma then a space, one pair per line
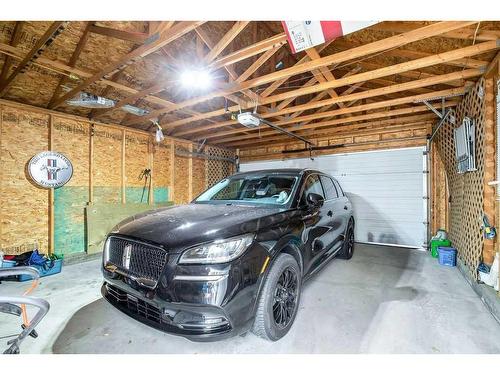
181, 179
24, 212
24, 208
100, 50
107, 164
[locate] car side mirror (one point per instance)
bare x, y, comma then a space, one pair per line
315, 200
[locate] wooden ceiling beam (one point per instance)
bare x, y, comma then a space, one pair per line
415, 74
144, 50
322, 74
312, 128
162, 27
348, 110
250, 51
225, 40
340, 129
361, 129
16, 34
129, 36
378, 46
395, 88
412, 55
468, 33
269, 114
492, 66
257, 64
66, 70
391, 70
72, 62
53, 30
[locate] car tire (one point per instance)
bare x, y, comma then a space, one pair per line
279, 299
348, 245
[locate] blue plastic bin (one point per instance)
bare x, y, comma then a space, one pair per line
447, 256
44, 272
8, 263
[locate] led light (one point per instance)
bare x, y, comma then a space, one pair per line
105, 253
196, 79
221, 251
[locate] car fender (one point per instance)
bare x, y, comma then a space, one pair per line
289, 244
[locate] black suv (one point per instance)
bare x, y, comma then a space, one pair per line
232, 260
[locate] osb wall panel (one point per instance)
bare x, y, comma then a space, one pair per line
71, 138
466, 190
136, 158
199, 176
107, 144
161, 164
23, 206
181, 175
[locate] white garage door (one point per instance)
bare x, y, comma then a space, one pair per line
386, 189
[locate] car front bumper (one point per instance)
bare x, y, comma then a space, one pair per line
199, 310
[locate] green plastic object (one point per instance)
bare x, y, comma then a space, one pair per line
436, 243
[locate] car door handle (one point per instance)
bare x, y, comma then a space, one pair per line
330, 213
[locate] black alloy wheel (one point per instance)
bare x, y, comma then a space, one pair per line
285, 298
279, 299
348, 246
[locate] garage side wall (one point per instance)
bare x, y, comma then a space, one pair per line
469, 195
107, 164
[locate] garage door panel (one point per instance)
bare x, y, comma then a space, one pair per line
386, 189
395, 233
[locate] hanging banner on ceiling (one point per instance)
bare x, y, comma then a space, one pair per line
306, 34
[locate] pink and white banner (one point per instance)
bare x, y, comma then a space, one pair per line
306, 34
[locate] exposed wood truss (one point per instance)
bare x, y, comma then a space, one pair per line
170, 35
373, 81
53, 30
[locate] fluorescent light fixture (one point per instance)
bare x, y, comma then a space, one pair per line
196, 78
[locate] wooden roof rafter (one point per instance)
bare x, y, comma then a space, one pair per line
339, 129
127, 35
312, 128
144, 50
374, 47
429, 81
53, 30
72, 62
349, 110
16, 34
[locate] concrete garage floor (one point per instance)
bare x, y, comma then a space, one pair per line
384, 300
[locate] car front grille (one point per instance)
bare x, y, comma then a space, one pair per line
136, 259
134, 305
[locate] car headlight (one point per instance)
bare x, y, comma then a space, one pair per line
220, 251
105, 253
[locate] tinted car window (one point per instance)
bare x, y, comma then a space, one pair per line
329, 187
312, 185
259, 188
339, 188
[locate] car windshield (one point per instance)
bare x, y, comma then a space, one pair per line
261, 189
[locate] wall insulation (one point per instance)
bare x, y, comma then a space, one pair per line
107, 164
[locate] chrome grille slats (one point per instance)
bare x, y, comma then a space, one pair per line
146, 261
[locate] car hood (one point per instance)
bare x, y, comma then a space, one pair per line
179, 227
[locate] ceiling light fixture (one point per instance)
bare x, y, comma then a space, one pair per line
197, 78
